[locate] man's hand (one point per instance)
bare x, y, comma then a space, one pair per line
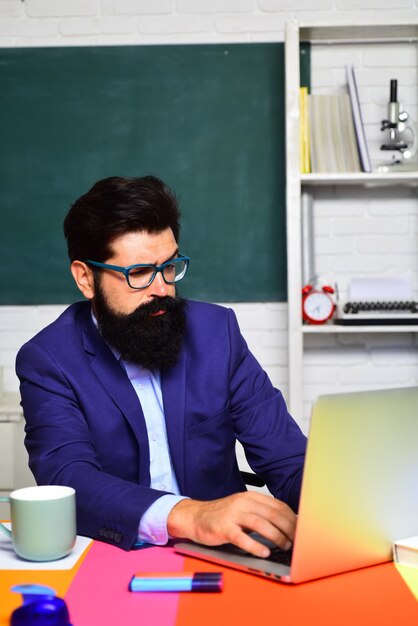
229, 519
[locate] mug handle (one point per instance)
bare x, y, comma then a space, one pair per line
3, 528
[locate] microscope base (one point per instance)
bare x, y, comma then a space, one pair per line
397, 167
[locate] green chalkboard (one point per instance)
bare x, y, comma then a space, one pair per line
208, 119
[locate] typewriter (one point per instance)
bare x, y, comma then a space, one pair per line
390, 302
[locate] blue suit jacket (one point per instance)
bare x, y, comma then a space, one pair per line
85, 427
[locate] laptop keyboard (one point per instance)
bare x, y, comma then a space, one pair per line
277, 555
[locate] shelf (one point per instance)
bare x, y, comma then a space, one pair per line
303, 190
379, 31
367, 328
361, 178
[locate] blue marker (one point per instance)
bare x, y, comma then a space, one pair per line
179, 581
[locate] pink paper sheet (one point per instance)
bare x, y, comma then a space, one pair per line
108, 602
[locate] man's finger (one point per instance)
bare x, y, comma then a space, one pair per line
248, 544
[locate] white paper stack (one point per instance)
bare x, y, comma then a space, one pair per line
405, 552
380, 289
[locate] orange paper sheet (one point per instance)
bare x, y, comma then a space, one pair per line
374, 595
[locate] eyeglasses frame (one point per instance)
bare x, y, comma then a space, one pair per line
157, 268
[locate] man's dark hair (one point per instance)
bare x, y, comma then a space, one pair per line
115, 206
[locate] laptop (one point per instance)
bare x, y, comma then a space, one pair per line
359, 489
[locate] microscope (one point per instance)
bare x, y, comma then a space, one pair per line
403, 136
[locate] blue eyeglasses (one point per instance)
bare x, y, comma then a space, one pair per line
140, 276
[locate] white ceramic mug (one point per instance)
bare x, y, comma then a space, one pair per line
43, 522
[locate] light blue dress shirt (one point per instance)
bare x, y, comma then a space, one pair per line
147, 384
153, 524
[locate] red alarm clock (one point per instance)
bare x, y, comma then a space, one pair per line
318, 305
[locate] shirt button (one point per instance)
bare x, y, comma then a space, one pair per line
161, 487
154, 437
141, 387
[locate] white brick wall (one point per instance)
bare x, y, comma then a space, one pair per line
352, 224
71, 22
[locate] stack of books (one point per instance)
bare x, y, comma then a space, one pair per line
332, 137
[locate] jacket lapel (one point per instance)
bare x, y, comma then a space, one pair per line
173, 382
117, 385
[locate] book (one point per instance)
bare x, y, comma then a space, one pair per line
351, 157
321, 142
332, 134
314, 133
358, 119
405, 551
305, 166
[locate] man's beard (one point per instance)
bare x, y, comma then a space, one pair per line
152, 342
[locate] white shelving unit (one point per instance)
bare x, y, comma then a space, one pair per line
14, 471
301, 187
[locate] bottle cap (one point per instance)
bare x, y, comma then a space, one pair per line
40, 606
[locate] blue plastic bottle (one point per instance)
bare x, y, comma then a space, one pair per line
40, 607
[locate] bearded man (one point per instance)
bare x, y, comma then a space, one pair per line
135, 397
